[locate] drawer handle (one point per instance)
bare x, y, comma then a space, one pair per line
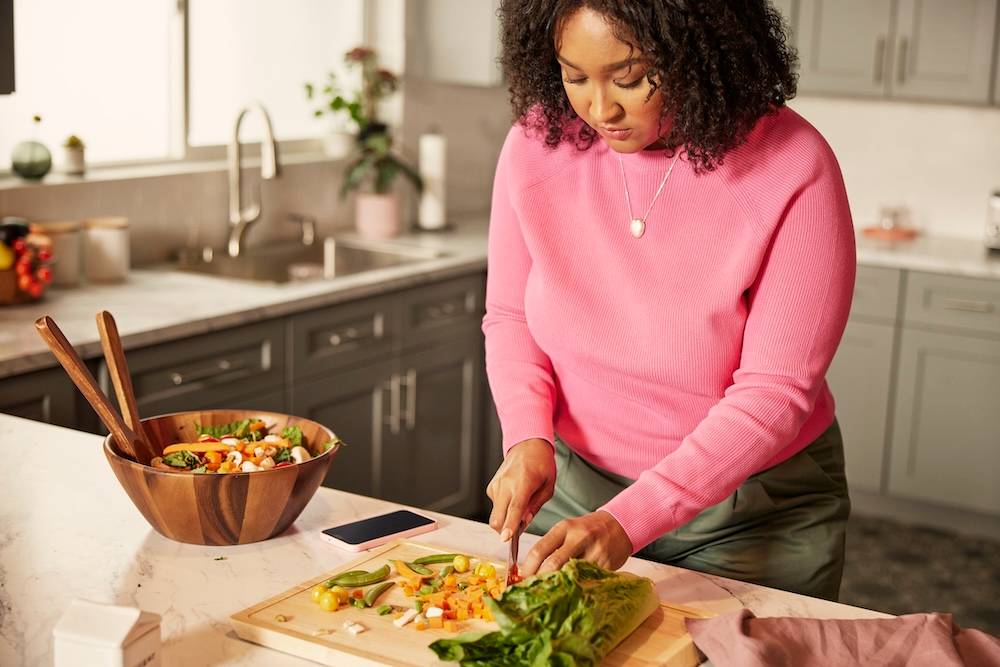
444, 310
968, 305
212, 370
344, 336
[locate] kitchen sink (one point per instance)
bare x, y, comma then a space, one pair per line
286, 262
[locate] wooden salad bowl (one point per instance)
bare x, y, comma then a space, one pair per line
221, 509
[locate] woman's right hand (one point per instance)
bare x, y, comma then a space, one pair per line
522, 484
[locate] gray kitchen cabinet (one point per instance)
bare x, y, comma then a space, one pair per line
439, 29
46, 396
789, 11
354, 404
432, 454
410, 411
860, 378
946, 421
844, 46
939, 50
943, 50
860, 375
208, 370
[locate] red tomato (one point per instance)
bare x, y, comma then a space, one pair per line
19, 246
44, 254
35, 290
44, 274
22, 268
24, 282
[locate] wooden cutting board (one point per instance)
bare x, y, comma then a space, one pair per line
661, 640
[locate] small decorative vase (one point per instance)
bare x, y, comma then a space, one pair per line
377, 215
74, 162
31, 160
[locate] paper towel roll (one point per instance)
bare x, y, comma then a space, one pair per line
431, 214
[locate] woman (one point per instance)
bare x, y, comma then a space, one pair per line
671, 264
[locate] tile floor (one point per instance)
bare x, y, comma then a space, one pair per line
900, 569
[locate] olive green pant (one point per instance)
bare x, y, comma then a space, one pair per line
783, 527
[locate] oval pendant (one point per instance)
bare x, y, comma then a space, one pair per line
638, 227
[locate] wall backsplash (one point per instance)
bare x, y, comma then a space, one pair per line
168, 212
941, 161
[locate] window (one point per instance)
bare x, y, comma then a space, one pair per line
112, 71
241, 50
85, 74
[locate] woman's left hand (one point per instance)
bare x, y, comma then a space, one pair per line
597, 537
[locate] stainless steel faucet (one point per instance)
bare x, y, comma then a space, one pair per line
241, 217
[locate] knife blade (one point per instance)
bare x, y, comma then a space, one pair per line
513, 576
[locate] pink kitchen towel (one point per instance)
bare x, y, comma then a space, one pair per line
915, 640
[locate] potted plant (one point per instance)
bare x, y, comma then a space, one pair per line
73, 156
374, 165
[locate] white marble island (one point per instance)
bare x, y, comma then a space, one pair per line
68, 530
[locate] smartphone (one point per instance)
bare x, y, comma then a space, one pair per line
373, 531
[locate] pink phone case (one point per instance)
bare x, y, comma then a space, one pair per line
371, 544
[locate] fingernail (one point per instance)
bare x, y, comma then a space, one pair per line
505, 535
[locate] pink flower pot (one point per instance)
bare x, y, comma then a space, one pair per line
377, 216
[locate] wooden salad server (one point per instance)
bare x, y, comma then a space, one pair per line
114, 356
84, 380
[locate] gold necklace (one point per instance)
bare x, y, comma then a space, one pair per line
638, 225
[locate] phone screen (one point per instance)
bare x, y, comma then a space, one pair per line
374, 527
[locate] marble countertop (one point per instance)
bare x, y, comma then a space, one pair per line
933, 254
156, 304
67, 530
161, 304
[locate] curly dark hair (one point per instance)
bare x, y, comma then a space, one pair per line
722, 65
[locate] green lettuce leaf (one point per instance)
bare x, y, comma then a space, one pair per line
284, 454
238, 429
293, 434
181, 459
570, 618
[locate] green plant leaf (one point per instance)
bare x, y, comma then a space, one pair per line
385, 173
309, 91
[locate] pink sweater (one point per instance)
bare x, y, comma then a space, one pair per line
688, 359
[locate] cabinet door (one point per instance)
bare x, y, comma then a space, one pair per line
434, 462
273, 401
946, 428
352, 405
843, 46
943, 50
46, 396
859, 378
440, 29
789, 11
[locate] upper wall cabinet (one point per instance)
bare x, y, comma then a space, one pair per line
937, 50
843, 46
454, 41
944, 50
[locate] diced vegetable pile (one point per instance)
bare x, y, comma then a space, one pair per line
241, 446
442, 598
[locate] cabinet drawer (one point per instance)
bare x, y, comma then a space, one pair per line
208, 369
342, 335
952, 301
429, 312
876, 293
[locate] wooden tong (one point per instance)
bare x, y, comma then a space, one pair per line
128, 434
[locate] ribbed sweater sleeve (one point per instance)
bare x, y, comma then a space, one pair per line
797, 310
520, 374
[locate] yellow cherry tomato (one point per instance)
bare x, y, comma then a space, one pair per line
317, 592
461, 564
343, 595
328, 601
